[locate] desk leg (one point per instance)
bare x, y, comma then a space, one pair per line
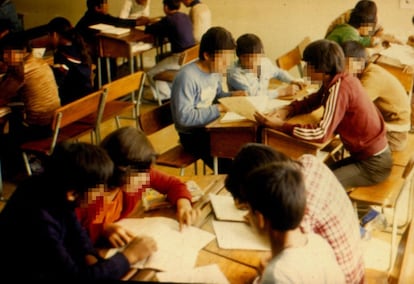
1, 186
108, 69
215, 165
99, 73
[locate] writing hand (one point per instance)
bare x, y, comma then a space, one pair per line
186, 214
117, 235
139, 248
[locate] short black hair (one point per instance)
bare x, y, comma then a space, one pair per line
172, 4
249, 44
355, 49
277, 191
216, 39
249, 157
325, 56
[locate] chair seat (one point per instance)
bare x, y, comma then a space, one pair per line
384, 193
176, 157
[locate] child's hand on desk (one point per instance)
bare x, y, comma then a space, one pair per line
186, 214
117, 235
270, 121
139, 248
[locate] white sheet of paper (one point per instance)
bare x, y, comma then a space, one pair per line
232, 117
404, 54
225, 210
203, 274
239, 235
245, 106
101, 27
176, 250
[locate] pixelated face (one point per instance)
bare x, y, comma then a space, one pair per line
312, 75
136, 181
92, 195
221, 60
366, 29
250, 61
14, 59
354, 65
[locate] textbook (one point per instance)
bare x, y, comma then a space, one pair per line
109, 29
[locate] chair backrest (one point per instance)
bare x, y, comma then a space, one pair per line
75, 111
189, 55
156, 119
124, 86
293, 57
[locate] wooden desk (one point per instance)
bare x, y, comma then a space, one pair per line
227, 138
113, 46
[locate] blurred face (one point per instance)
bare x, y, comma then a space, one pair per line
92, 196
250, 61
354, 65
313, 75
220, 61
366, 29
136, 181
14, 59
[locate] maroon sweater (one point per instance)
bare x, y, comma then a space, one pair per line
348, 111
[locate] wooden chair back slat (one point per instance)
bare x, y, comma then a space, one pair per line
293, 57
156, 119
123, 86
189, 55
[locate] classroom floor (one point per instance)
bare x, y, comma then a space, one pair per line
376, 247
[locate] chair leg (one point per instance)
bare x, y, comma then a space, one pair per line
1, 185
182, 171
195, 168
27, 164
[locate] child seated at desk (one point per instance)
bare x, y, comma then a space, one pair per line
134, 9
348, 111
329, 212
45, 241
387, 93
195, 92
253, 71
133, 155
72, 63
277, 200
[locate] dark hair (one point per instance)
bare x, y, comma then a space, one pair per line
248, 44
325, 56
78, 166
129, 149
172, 4
277, 190
364, 12
216, 39
355, 50
64, 28
250, 157
91, 4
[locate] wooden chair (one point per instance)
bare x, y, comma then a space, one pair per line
293, 57
67, 125
122, 95
187, 56
387, 195
176, 157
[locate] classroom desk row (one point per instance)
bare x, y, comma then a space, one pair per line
226, 138
239, 266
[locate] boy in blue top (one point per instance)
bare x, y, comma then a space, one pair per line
253, 71
195, 91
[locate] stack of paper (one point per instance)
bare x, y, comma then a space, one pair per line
109, 29
225, 209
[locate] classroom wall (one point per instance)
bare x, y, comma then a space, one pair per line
281, 24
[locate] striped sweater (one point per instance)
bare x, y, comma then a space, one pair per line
348, 111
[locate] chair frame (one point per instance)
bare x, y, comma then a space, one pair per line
155, 120
66, 125
387, 195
